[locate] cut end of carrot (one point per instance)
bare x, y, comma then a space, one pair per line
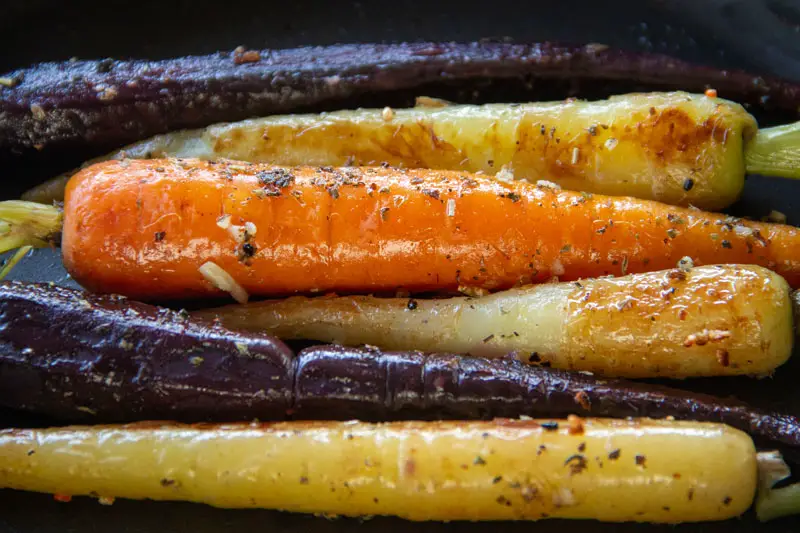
27, 225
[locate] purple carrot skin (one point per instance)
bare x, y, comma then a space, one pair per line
368, 384
97, 105
76, 356
115, 360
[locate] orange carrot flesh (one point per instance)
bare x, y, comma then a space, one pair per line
143, 228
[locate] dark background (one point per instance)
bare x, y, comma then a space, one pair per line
759, 36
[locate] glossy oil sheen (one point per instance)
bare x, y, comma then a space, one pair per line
92, 376
677, 148
76, 356
635, 326
89, 107
365, 230
501, 470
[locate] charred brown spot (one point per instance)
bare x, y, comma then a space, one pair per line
242, 56
541, 449
671, 135
582, 399
640, 460
614, 454
502, 500
677, 274
575, 425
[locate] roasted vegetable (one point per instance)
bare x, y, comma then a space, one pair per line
105, 104
82, 375
636, 470
709, 321
367, 383
673, 147
145, 229
108, 356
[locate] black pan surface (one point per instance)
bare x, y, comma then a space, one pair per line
44, 30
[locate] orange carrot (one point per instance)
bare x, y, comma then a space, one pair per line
143, 228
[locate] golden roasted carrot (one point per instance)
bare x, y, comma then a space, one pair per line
612, 470
708, 321
677, 148
144, 229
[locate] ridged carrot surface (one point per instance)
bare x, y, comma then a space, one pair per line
143, 228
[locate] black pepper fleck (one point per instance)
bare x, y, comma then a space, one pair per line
159, 236
412, 304
614, 454
727, 244
550, 426
688, 184
248, 251
640, 460
279, 178
576, 463
105, 66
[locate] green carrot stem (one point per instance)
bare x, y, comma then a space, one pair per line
11, 263
775, 152
28, 224
774, 503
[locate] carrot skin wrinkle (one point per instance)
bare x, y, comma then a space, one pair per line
326, 231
